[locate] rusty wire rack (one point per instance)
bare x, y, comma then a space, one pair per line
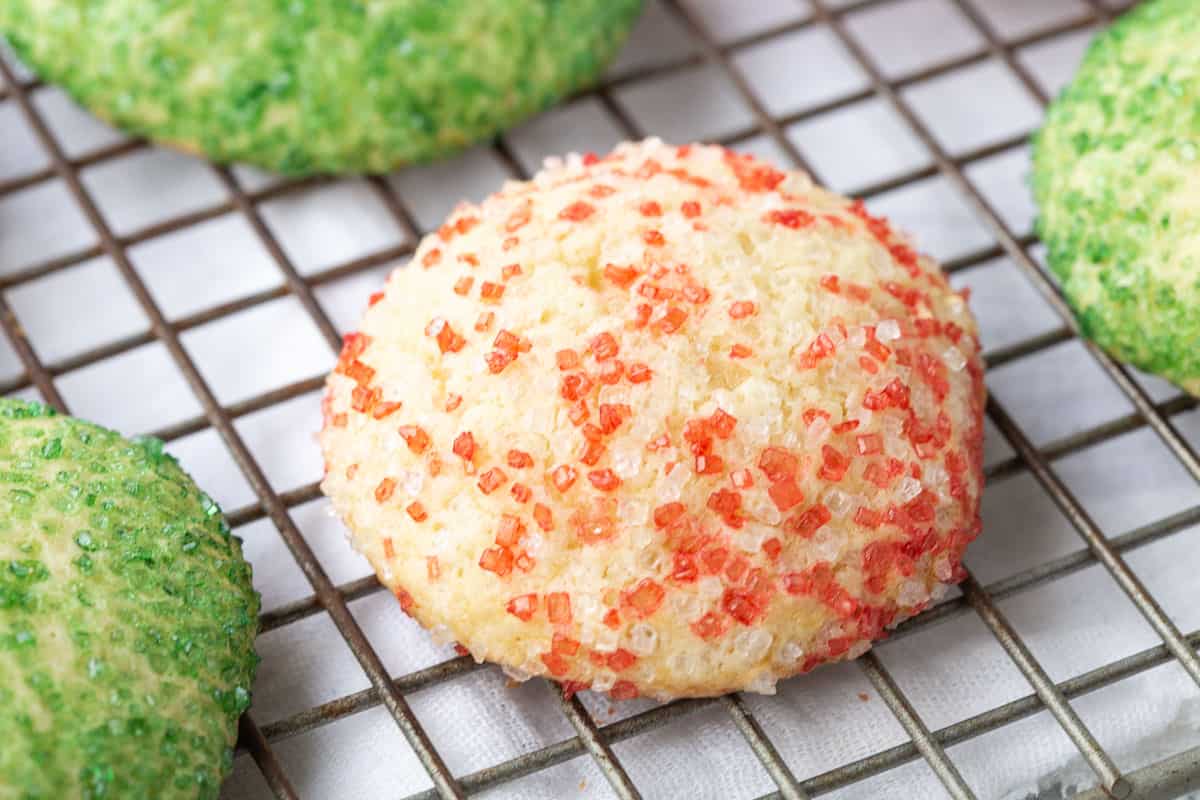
1166, 778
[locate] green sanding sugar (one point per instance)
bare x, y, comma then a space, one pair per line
1117, 176
127, 617
310, 86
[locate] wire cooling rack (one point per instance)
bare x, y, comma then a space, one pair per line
870, 83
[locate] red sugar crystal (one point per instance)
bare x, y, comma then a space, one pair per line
577, 211
448, 341
672, 320
556, 664
566, 359
592, 453
638, 373
622, 277
668, 514
709, 626
604, 479
523, 606
492, 480
808, 523
385, 489
464, 446
778, 464
621, 659
564, 645
564, 477
785, 494
645, 598
869, 444
510, 531
558, 608
834, 464
792, 218
519, 459
604, 346
740, 309
498, 560
385, 409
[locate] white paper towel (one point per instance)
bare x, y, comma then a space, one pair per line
950, 671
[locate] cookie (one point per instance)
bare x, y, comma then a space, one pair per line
1117, 176
127, 618
318, 87
670, 422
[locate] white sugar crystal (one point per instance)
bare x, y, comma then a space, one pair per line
942, 568
641, 536
911, 593
626, 461
938, 478
615, 393
687, 606
671, 486
412, 482
945, 516
954, 358
751, 537
606, 640
650, 558
633, 512
858, 337
682, 662
757, 427
762, 683
710, 587
760, 506
518, 675
586, 606
817, 433
893, 425
858, 648
642, 639
826, 544
603, 681
887, 330
907, 489
789, 653
838, 502
940, 592
753, 643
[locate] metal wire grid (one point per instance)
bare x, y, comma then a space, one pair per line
1163, 779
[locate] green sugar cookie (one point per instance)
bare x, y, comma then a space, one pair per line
1117, 177
317, 86
127, 617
